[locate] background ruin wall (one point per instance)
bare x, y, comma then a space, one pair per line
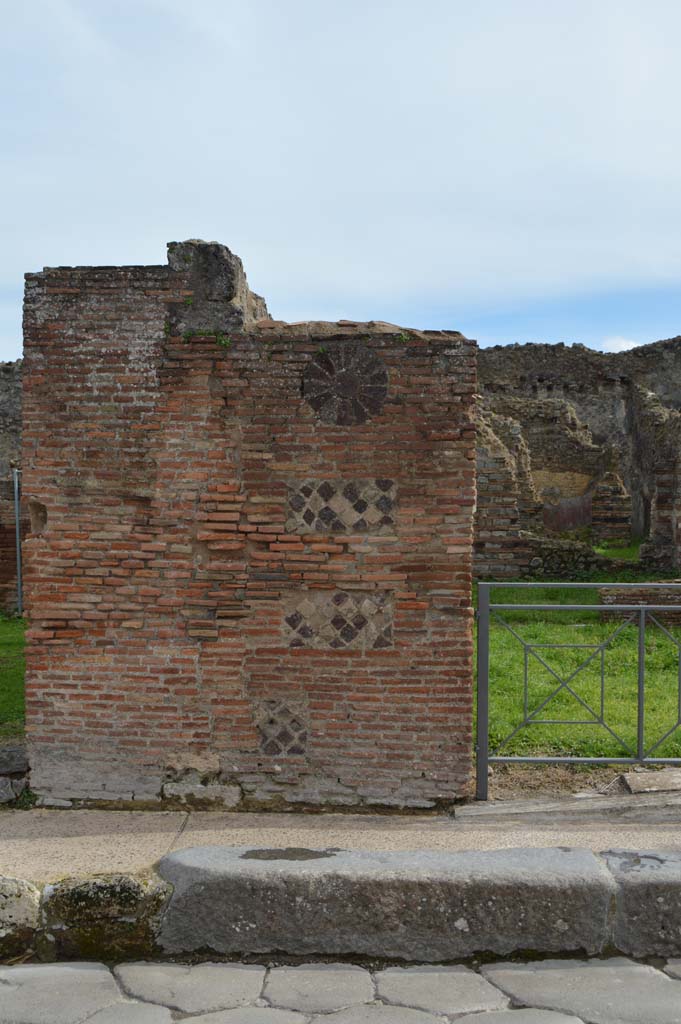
249, 566
594, 450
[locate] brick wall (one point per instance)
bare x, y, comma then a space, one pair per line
250, 558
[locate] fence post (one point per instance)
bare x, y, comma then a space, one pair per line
640, 745
482, 745
17, 532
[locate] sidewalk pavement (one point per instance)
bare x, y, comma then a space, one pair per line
615, 991
46, 845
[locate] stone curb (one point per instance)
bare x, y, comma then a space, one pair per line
416, 906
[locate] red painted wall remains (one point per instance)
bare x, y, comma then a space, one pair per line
249, 571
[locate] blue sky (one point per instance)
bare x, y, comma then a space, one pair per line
508, 169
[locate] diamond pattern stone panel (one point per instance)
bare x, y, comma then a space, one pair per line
283, 728
340, 620
332, 506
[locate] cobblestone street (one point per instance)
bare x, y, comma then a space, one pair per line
614, 991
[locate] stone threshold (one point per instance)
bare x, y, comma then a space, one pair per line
411, 907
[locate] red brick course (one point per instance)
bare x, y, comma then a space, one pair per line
160, 464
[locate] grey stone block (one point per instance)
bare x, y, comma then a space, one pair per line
19, 785
250, 1015
196, 793
6, 790
378, 1015
13, 759
318, 988
673, 968
413, 906
116, 916
667, 780
132, 1013
55, 993
77, 778
648, 918
524, 1016
198, 989
445, 990
616, 991
19, 914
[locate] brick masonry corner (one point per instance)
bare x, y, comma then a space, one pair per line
249, 562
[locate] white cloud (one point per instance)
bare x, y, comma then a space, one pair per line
618, 344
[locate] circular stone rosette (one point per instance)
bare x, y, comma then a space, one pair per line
345, 384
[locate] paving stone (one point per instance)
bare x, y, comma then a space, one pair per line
422, 906
318, 988
616, 991
438, 989
518, 1017
132, 1013
378, 1015
250, 1015
648, 915
55, 993
197, 989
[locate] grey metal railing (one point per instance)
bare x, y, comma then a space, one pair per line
639, 614
16, 485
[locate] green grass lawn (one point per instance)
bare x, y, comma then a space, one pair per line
11, 677
544, 633
628, 552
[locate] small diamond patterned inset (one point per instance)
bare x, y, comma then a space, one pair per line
340, 620
332, 506
282, 728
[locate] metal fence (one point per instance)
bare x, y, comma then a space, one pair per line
16, 487
637, 614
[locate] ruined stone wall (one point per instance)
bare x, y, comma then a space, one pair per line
506, 507
644, 595
10, 415
611, 511
591, 418
249, 572
10, 444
